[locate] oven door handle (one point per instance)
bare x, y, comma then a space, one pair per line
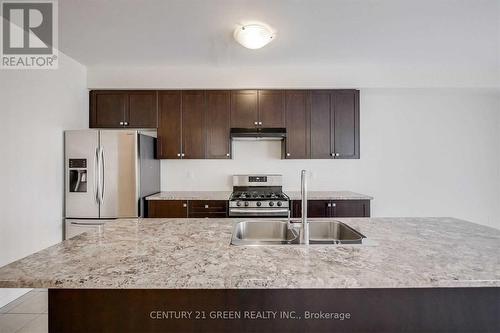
257, 210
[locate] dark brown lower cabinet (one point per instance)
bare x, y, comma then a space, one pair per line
184, 208
207, 208
332, 208
218, 208
167, 208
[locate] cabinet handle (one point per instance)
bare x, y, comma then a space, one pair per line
255, 123
178, 155
206, 206
125, 123
337, 154
184, 205
332, 154
287, 154
334, 204
329, 204
260, 122
228, 155
182, 154
121, 123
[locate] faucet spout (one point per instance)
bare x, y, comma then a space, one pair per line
304, 235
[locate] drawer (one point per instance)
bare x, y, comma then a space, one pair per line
208, 206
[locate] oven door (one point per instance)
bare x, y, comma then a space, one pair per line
258, 212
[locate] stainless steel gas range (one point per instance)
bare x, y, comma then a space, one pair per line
258, 195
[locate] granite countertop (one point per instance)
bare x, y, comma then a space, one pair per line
329, 195
190, 195
224, 195
195, 253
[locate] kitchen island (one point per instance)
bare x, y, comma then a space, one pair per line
180, 254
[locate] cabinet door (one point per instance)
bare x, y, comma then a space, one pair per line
142, 111
345, 123
167, 208
107, 109
351, 208
193, 124
315, 208
318, 208
321, 107
271, 108
244, 111
218, 124
169, 127
297, 125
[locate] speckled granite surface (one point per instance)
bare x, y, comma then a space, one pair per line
195, 253
190, 195
224, 195
329, 195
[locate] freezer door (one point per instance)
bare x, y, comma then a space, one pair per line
80, 165
118, 174
75, 227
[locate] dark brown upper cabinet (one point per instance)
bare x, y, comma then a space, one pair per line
181, 130
321, 124
142, 110
218, 126
335, 124
345, 138
257, 108
271, 108
119, 109
169, 125
297, 124
244, 108
193, 124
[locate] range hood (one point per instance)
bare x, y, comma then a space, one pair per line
258, 133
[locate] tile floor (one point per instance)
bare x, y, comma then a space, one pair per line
27, 314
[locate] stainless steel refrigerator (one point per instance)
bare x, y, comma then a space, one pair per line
107, 175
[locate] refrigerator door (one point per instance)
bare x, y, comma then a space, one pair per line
118, 174
80, 165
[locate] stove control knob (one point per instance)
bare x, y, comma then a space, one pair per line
271, 203
246, 203
279, 203
238, 203
259, 203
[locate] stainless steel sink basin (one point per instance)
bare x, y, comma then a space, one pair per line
283, 233
333, 232
263, 233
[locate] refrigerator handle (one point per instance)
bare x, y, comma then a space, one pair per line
101, 173
96, 175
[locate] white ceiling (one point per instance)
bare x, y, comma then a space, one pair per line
114, 33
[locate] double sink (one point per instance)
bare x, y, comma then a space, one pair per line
288, 232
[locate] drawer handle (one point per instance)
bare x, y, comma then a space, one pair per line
184, 205
206, 206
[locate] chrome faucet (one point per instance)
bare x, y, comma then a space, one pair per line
304, 232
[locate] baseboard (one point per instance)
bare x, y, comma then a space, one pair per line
8, 295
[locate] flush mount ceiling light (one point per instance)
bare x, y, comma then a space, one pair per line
253, 36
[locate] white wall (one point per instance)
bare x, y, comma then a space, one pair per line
35, 107
424, 152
